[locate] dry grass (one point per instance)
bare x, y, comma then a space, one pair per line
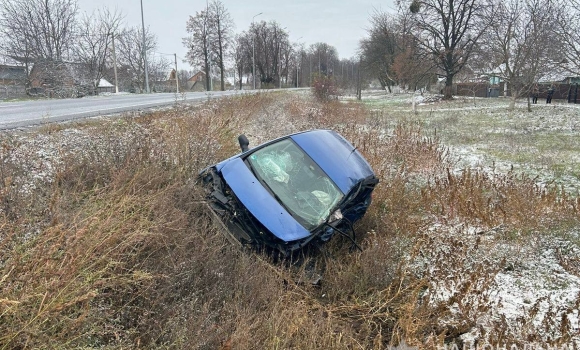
112, 249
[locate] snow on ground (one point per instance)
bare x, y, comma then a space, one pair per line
531, 293
490, 286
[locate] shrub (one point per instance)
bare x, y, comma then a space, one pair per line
324, 87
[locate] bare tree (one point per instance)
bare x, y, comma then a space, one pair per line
412, 68
298, 52
568, 34
345, 72
33, 30
521, 41
198, 43
130, 55
269, 40
94, 36
242, 56
448, 30
286, 53
183, 76
324, 57
41, 28
380, 49
221, 35
158, 67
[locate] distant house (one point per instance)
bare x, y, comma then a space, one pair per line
197, 82
560, 76
12, 75
497, 84
564, 83
105, 86
160, 81
12, 80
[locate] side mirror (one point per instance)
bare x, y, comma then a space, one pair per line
244, 143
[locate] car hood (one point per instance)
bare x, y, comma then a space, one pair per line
260, 202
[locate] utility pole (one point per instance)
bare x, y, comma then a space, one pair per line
358, 81
115, 64
297, 71
208, 44
310, 70
254, 53
176, 78
297, 64
144, 51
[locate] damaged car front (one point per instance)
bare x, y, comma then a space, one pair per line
292, 191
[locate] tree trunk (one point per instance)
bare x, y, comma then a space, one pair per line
448, 90
207, 73
529, 104
512, 102
222, 86
221, 58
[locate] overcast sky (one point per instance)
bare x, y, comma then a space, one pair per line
340, 23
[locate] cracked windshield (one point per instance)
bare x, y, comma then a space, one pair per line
296, 182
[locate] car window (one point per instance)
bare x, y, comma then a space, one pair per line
296, 182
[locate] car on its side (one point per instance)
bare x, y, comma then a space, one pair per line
291, 191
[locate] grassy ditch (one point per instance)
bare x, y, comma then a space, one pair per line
104, 242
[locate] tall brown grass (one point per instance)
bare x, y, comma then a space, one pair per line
116, 250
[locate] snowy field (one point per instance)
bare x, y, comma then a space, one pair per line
535, 297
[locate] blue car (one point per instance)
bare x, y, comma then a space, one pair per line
292, 191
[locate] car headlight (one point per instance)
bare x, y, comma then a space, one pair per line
335, 216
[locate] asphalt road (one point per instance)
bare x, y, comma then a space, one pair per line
27, 113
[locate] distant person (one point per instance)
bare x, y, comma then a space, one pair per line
535, 93
550, 94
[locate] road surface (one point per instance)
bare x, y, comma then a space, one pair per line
26, 113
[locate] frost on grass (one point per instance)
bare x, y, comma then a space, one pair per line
485, 283
491, 290
39, 156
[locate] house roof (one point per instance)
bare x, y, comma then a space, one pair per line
104, 83
556, 73
12, 72
559, 73
196, 75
